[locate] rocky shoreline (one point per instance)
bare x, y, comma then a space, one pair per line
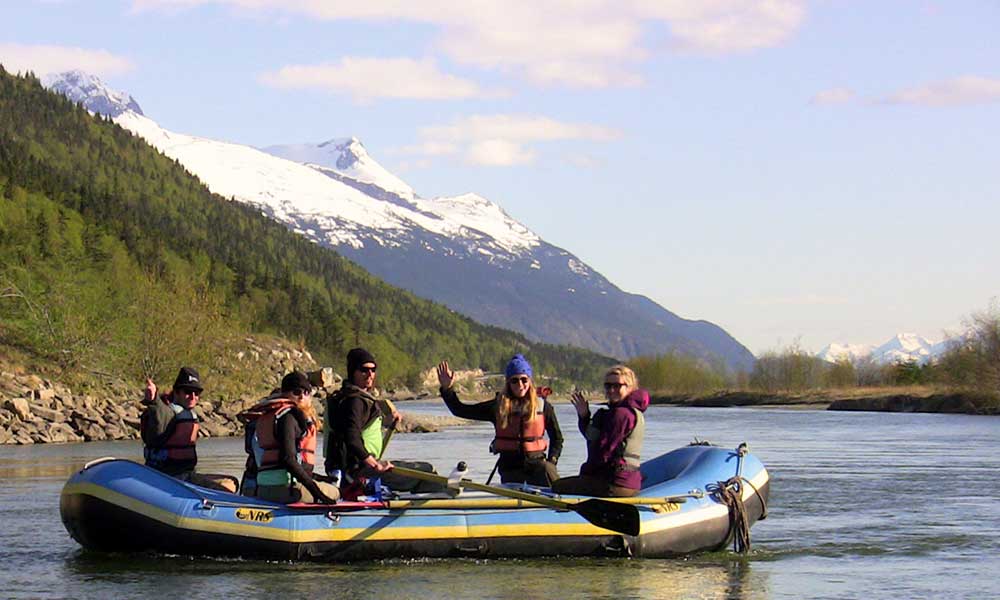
37, 410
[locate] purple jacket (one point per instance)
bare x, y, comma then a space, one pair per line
604, 458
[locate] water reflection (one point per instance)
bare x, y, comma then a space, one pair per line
713, 577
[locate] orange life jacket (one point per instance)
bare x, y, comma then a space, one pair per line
267, 447
522, 434
178, 449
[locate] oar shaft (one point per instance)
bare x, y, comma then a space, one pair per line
472, 485
613, 516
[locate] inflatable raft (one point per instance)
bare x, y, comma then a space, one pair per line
693, 499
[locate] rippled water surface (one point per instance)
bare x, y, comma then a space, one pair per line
863, 505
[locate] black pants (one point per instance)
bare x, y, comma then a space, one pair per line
533, 471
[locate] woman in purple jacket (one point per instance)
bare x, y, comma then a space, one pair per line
614, 439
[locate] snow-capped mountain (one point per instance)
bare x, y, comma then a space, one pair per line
853, 352
463, 251
903, 347
91, 91
349, 158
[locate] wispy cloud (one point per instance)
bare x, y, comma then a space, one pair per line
572, 43
43, 59
517, 127
501, 140
583, 161
833, 96
499, 153
959, 91
725, 26
804, 300
366, 79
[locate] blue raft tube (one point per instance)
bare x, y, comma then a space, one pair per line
696, 498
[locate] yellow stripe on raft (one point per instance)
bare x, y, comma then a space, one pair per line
340, 532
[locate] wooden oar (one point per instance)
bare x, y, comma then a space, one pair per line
623, 518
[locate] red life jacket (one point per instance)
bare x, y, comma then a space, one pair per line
521, 434
268, 451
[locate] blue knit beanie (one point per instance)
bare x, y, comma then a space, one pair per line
518, 366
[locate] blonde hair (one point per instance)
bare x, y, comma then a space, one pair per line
626, 374
506, 400
307, 408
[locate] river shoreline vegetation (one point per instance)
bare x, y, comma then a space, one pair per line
966, 378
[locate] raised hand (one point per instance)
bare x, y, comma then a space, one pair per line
580, 404
149, 394
446, 376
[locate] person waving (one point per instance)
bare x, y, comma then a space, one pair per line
521, 419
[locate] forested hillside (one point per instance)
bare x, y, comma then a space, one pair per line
114, 258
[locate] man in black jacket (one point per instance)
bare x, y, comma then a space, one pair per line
355, 421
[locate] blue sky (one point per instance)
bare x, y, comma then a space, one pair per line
795, 171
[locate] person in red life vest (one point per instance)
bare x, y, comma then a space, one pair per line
357, 423
614, 439
280, 438
521, 419
169, 431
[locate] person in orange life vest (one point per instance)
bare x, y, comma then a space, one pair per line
281, 435
614, 439
521, 418
169, 431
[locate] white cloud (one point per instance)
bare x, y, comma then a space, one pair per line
575, 43
726, 26
498, 153
44, 59
807, 299
517, 128
369, 78
952, 92
501, 140
833, 96
429, 148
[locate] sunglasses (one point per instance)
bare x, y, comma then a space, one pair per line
301, 392
189, 392
615, 386
522, 380
367, 370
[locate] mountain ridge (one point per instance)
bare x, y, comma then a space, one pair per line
462, 251
126, 263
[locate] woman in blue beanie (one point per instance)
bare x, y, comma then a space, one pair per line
521, 419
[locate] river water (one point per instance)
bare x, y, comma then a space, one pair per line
863, 505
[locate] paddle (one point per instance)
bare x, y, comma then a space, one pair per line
385, 439
623, 518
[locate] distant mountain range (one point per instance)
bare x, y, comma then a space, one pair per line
903, 347
464, 251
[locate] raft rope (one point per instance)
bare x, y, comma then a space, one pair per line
730, 493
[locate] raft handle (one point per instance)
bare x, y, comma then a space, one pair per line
618, 547
206, 504
334, 517
98, 461
472, 548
